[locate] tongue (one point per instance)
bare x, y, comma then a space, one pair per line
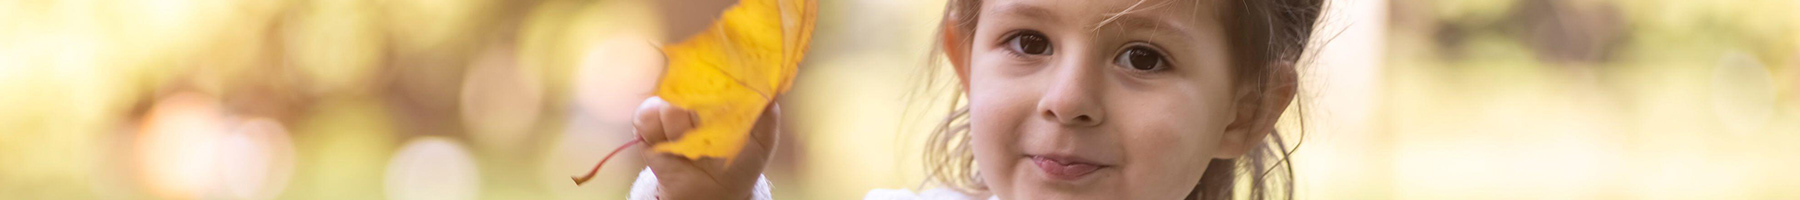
1060, 169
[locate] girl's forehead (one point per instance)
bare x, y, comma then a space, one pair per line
1180, 14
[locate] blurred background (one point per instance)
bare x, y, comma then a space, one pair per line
487, 99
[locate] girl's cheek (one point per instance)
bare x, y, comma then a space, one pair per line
1000, 99
999, 105
993, 144
994, 118
1167, 143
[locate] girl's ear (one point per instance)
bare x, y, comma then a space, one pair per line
956, 49
1257, 106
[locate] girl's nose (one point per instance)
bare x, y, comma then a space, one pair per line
1073, 97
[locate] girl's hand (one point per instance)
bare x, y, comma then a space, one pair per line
707, 178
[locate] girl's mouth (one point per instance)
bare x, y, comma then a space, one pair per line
1064, 168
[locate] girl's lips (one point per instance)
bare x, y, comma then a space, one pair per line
1063, 168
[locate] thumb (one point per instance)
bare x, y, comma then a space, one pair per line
767, 130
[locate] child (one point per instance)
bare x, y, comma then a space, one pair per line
1072, 99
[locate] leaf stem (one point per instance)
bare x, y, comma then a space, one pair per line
590, 174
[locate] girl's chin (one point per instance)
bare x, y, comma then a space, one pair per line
1056, 193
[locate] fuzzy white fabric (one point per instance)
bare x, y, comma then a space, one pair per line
931, 194
645, 188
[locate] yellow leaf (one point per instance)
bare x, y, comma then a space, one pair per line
730, 72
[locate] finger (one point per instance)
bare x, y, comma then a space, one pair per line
676, 122
647, 122
760, 148
655, 125
766, 131
673, 170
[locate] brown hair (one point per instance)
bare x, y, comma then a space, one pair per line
1264, 34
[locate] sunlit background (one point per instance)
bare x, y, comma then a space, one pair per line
489, 99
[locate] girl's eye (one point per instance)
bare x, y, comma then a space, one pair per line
1030, 43
1141, 58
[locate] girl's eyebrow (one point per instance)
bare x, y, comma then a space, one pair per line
1028, 11
1130, 21
1140, 22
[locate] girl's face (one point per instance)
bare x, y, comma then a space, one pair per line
1072, 99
